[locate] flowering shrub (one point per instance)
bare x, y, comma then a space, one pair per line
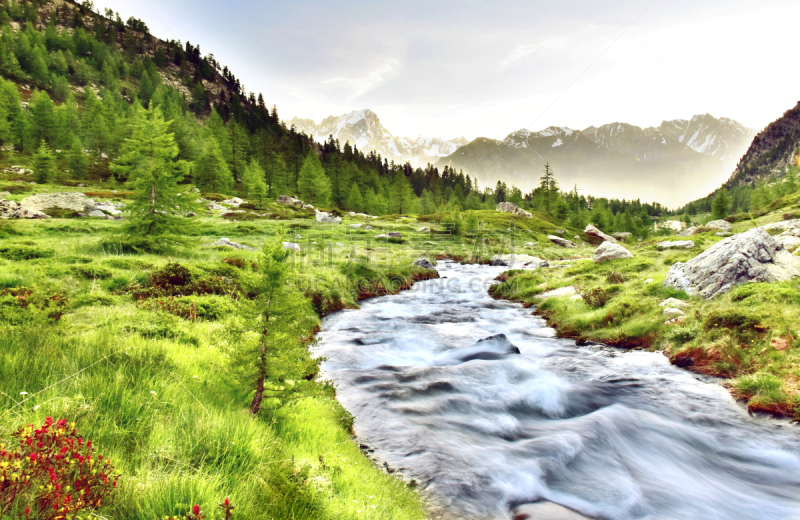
53, 474
14, 301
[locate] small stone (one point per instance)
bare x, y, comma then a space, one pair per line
722, 225
674, 302
649, 280
680, 244
226, 242
671, 311
610, 251
562, 242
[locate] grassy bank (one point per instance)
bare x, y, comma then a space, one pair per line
750, 336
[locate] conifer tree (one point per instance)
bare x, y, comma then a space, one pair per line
548, 187
77, 160
277, 177
149, 161
44, 164
355, 202
312, 183
370, 202
721, 204
221, 134
212, 174
240, 142
269, 352
254, 182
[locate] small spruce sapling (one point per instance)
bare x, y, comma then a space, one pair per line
44, 165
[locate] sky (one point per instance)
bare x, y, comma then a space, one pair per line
446, 68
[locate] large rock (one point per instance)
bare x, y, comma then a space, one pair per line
291, 246
688, 231
327, 218
753, 256
592, 231
287, 200
722, 225
73, 201
621, 236
226, 242
510, 207
783, 225
563, 242
610, 251
10, 209
789, 242
424, 263
531, 262
680, 244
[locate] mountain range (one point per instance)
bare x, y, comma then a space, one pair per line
671, 164
363, 129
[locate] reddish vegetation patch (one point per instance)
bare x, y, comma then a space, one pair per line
782, 343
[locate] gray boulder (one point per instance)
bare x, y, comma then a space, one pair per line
592, 231
10, 209
235, 202
510, 207
680, 244
519, 261
97, 214
622, 237
722, 225
688, 231
789, 242
327, 218
563, 242
610, 251
424, 263
783, 225
226, 242
753, 256
4, 194
74, 201
291, 246
286, 200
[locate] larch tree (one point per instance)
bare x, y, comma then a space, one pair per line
312, 183
44, 164
721, 205
548, 187
149, 160
355, 202
276, 175
212, 174
254, 182
269, 353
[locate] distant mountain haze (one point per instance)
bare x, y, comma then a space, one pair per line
678, 161
363, 129
673, 163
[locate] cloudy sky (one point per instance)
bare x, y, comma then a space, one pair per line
447, 68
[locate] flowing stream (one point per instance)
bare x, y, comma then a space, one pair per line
487, 425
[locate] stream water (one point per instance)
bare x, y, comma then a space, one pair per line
611, 434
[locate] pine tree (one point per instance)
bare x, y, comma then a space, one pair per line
43, 116
44, 164
548, 187
355, 202
791, 179
312, 183
721, 204
149, 160
270, 353
221, 134
240, 142
77, 160
254, 182
212, 174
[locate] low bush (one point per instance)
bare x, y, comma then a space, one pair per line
595, 297
23, 252
92, 271
16, 188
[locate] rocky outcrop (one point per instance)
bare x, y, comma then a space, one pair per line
563, 242
10, 209
722, 225
327, 218
674, 302
226, 242
73, 201
610, 251
510, 207
235, 202
519, 261
390, 234
753, 256
680, 244
595, 233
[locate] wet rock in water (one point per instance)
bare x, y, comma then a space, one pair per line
753, 256
510, 207
563, 242
610, 251
680, 244
595, 233
488, 349
424, 263
531, 262
722, 225
74, 201
546, 511
226, 242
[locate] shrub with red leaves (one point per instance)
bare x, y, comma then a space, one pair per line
53, 474
198, 514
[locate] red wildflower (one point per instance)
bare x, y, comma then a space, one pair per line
196, 509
